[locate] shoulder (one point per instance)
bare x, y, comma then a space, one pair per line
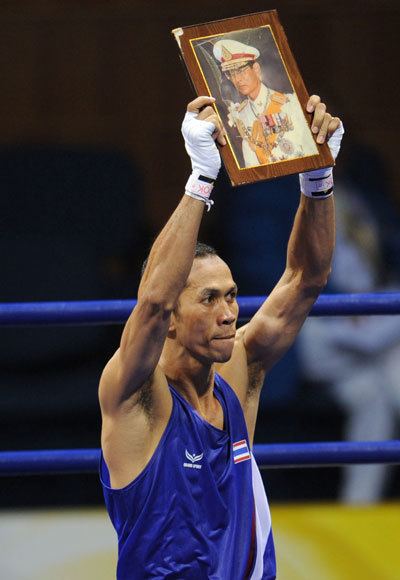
245, 379
132, 428
280, 98
241, 374
223, 385
242, 106
240, 109
153, 398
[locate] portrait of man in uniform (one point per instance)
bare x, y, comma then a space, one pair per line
255, 97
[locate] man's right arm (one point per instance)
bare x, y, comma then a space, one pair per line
168, 267
144, 334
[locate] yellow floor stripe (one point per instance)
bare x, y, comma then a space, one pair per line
329, 542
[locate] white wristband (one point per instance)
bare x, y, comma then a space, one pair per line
200, 187
317, 184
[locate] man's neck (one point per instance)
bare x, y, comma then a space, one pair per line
255, 93
192, 378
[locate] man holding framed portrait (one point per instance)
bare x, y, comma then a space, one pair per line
179, 397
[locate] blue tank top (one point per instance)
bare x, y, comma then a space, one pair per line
198, 510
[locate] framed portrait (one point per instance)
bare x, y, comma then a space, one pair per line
246, 64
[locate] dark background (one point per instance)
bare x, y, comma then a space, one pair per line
91, 165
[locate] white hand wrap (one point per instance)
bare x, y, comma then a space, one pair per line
200, 187
204, 155
318, 184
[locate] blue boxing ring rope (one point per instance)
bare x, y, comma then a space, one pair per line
272, 455
117, 311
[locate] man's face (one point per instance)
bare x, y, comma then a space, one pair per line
205, 321
246, 78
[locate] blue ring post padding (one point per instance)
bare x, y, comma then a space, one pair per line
117, 311
273, 455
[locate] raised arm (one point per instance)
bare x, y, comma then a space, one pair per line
274, 327
167, 269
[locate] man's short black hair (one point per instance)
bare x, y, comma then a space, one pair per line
204, 250
201, 251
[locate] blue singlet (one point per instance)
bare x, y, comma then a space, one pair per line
198, 510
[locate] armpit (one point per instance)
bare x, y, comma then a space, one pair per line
256, 375
145, 399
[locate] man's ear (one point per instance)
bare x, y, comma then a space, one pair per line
172, 326
257, 68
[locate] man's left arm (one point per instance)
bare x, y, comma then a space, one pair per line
276, 324
274, 327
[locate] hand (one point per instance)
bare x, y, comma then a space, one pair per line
201, 128
323, 124
319, 183
204, 112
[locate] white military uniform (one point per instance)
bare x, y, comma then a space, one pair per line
272, 126
293, 137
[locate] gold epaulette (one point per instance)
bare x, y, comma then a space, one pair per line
279, 98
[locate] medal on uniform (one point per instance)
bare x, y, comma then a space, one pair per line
287, 146
264, 122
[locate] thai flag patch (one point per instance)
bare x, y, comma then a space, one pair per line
240, 451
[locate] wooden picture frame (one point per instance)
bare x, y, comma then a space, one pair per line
268, 130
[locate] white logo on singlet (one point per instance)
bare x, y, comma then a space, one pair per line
193, 460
